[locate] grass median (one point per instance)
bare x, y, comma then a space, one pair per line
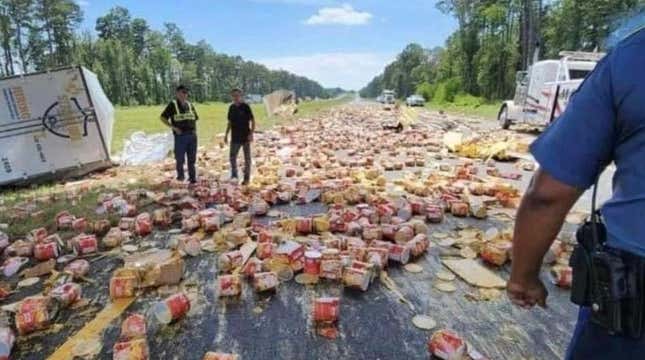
50, 198
212, 119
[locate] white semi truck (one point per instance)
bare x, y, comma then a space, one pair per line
543, 92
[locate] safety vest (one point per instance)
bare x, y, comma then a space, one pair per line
187, 116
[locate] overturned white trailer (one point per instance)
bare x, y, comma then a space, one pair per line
52, 125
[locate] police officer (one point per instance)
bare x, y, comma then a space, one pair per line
603, 123
180, 116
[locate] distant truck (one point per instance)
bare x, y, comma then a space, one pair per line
388, 98
543, 92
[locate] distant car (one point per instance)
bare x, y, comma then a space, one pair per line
380, 99
253, 98
415, 100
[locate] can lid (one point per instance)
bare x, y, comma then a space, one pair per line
313, 254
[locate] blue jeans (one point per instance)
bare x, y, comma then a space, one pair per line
186, 148
234, 151
591, 342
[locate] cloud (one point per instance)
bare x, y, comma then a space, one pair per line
83, 3
343, 15
351, 71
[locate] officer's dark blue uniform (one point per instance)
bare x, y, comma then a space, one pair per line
605, 122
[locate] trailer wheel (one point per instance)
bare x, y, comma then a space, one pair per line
503, 119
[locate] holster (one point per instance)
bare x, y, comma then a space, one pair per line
609, 281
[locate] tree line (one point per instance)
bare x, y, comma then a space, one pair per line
494, 40
135, 64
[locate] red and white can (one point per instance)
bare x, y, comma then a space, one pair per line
332, 243
418, 245
85, 244
389, 231
331, 269
178, 305
79, 224
304, 225
330, 254
434, 214
113, 238
459, 209
39, 234
46, 251
562, 275
143, 224
252, 266
212, 223
357, 278
190, 224
265, 250
326, 310
446, 345
229, 285
265, 235
230, 260
372, 232
34, 313
133, 327
64, 220
357, 253
265, 281
293, 253
136, 349
404, 234
312, 262
161, 217
399, 253
123, 283
67, 294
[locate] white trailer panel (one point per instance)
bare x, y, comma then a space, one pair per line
53, 124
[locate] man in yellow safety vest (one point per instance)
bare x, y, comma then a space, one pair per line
180, 116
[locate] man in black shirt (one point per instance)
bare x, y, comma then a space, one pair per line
180, 116
241, 125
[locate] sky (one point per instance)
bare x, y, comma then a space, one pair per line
337, 43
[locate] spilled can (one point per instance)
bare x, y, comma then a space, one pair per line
67, 294
312, 262
85, 244
326, 310
172, 308
265, 281
46, 251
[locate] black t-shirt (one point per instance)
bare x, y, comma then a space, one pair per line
240, 116
170, 112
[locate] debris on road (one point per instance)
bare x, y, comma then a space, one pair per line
379, 204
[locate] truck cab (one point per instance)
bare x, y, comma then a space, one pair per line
543, 92
388, 98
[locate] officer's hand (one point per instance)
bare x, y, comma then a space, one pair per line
526, 294
176, 130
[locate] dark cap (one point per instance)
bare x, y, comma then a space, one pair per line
182, 88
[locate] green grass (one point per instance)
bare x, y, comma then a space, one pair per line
468, 105
51, 197
212, 119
